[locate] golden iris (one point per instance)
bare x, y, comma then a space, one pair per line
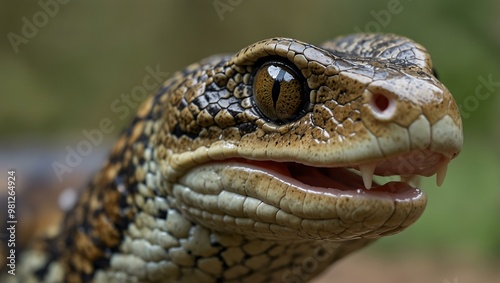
278, 92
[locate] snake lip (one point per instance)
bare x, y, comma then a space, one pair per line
408, 165
358, 177
339, 181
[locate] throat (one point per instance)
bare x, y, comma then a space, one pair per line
279, 261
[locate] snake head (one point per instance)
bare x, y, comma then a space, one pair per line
282, 139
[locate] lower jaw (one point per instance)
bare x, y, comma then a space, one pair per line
273, 200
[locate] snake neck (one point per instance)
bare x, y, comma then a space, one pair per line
161, 244
187, 252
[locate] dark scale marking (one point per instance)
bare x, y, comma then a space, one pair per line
162, 213
143, 138
178, 132
131, 184
115, 159
88, 277
182, 104
213, 109
201, 102
246, 128
161, 91
235, 109
42, 272
228, 102
213, 87
212, 96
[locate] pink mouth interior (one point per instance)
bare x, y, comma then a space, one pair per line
330, 180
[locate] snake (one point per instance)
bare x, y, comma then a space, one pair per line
267, 165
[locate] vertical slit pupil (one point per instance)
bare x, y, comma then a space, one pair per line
277, 74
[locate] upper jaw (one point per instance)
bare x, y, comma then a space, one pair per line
407, 165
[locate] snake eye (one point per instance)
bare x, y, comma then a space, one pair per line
278, 91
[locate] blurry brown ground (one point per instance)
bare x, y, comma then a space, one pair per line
367, 267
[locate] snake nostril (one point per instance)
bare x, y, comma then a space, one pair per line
381, 102
382, 106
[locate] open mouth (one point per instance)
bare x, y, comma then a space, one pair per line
269, 198
360, 178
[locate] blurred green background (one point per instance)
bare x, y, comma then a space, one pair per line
63, 77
